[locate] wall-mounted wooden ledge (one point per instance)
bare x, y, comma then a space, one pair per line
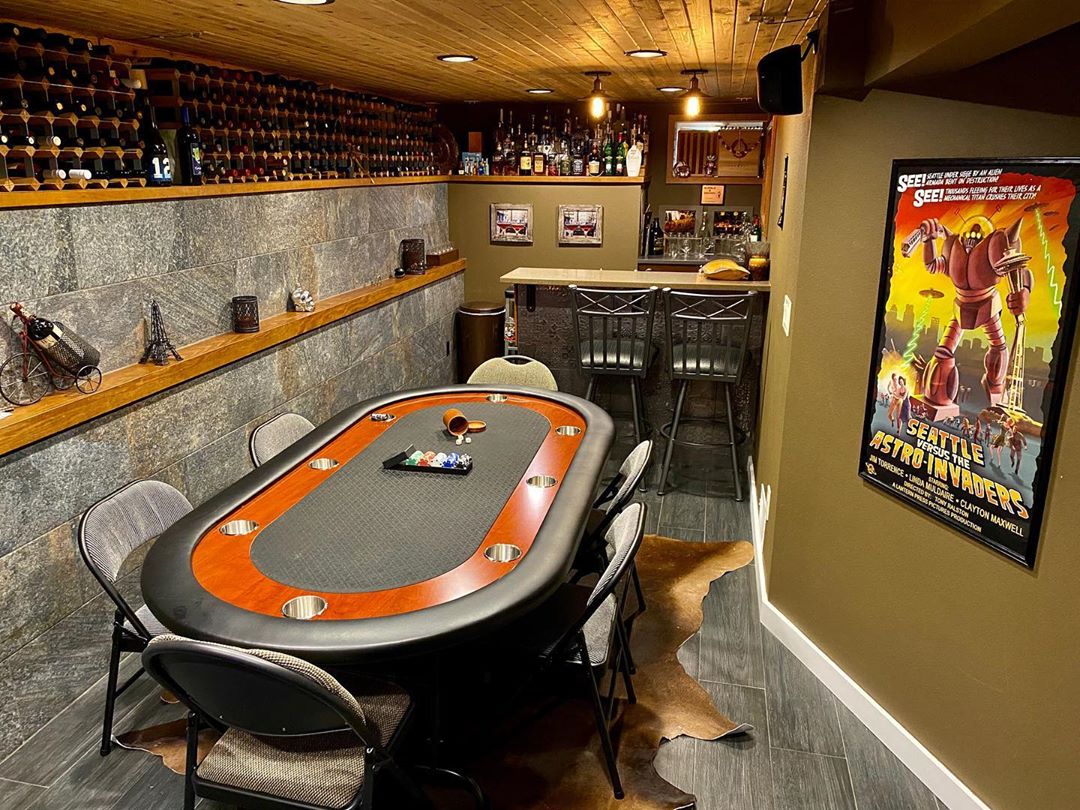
61, 411
545, 179
92, 196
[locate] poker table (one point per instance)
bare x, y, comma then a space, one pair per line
324, 553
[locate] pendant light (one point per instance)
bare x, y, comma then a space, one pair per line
694, 96
598, 98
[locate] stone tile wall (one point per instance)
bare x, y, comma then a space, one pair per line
95, 268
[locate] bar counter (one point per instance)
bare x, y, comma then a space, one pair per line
545, 331
563, 277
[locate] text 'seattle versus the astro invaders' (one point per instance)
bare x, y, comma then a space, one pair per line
975, 320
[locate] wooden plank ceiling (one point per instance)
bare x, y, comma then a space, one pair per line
388, 46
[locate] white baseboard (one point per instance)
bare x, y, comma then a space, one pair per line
953, 793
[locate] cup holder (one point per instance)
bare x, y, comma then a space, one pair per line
568, 430
541, 481
235, 528
323, 463
497, 397
303, 607
502, 552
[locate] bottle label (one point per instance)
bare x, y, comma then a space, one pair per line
161, 170
526, 163
594, 167
538, 164
196, 161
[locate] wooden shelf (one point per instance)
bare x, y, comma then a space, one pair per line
129, 195
60, 411
540, 180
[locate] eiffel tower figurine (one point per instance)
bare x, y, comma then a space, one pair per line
159, 347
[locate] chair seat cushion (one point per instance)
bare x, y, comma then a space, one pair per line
628, 354
712, 361
149, 621
321, 769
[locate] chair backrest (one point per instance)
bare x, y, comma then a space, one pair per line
614, 328
119, 523
258, 691
624, 537
630, 472
707, 333
274, 435
514, 370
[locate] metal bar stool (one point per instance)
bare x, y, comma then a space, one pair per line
707, 338
614, 331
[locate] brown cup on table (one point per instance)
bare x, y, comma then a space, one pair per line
456, 422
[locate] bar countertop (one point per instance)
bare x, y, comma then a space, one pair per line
562, 277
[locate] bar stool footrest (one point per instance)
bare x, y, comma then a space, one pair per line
665, 431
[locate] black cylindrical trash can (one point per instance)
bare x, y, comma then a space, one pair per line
479, 335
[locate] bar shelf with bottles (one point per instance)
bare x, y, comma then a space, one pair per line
615, 147
69, 114
250, 127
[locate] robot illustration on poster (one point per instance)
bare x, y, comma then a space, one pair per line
973, 330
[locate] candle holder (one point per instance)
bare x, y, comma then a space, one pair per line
413, 257
245, 313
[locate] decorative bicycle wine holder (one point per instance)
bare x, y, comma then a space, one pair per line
30, 373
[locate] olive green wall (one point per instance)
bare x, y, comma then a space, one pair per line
470, 230
975, 655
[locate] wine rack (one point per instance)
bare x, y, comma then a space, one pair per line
69, 114
256, 128
72, 117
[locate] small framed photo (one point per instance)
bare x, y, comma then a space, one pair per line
581, 224
511, 223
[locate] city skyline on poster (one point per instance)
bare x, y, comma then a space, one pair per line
974, 325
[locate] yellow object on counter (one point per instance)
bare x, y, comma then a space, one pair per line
725, 270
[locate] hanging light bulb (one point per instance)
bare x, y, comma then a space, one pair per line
598, 98
694, 96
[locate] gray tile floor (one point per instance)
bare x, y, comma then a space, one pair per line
807, 751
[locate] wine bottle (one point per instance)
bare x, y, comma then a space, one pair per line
158, 166
189, 151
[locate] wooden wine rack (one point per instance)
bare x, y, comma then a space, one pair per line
87, 114
253, 128
257, 129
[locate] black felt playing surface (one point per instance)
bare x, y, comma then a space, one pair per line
369, 529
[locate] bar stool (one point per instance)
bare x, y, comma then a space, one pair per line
614, 330
707, 338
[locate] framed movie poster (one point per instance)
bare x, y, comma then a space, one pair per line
581, 224
975, 319
511, 224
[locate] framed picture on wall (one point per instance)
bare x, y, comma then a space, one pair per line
511, 223
581, 224
976, 311
680, 221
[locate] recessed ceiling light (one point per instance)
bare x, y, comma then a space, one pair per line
670, 89
456, 57
646, 53
539, 91
306, 2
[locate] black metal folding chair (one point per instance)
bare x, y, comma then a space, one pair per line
582, 629
294, 737
109, 532
274, 435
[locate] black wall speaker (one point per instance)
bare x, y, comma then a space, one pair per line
779, 81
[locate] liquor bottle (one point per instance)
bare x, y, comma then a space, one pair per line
620, 157
594, 161
655, 244
158, 166
539, 158
609, 160
525, 157
755, 230
189, 151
